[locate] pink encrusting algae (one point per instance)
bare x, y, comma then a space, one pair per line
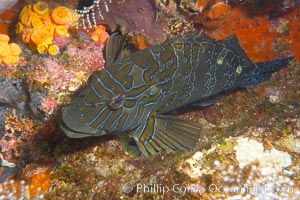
67, 73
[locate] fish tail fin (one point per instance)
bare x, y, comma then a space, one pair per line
167, 133
263, 71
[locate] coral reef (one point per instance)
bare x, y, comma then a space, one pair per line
38, 26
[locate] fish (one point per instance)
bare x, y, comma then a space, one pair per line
135, 94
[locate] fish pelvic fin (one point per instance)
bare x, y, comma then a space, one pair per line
263, 71
166, 133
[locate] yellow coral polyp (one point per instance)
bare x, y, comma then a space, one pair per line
42, 48
26, 8
9, 53
100, 34
10, 59
38, 25
39, 35
19, 27
15, 49
26, 35
4, 39
26, 17
41, 8
95, 37
37, 22
49, 40
51, 29
61, 15
47, 20
99, 29
61, 31
4, 50
53, 50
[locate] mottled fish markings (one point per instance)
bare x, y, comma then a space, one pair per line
133, 94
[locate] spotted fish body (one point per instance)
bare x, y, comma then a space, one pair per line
133, 94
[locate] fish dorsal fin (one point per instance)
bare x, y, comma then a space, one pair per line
166, 133
114, 47
233, 42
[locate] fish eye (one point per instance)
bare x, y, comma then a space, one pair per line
117, 101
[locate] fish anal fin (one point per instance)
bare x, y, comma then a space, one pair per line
166, 133
208, 101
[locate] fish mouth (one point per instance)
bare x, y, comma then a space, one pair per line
75, 129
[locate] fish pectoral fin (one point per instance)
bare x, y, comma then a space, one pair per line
166, 133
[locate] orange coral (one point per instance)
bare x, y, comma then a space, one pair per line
39, 182
38, 25
258, 35
26, 35
201, 4
61, 15
100, 34
37, 21
141, 43
38, 179
218, 11
26, 15
41, 8
254, 34
39, 36
51, 29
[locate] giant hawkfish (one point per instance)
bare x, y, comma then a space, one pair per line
135, 94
